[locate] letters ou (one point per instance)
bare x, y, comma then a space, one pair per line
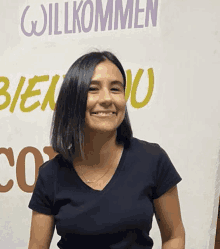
132, 88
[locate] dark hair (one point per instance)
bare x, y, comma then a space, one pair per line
67, 130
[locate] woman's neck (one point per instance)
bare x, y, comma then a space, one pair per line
100, 148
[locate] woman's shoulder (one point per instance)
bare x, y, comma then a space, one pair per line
147, 150
49, 167
145, 146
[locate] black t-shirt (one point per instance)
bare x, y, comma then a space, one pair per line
117, 217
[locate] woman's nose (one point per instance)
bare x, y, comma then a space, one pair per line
105, 96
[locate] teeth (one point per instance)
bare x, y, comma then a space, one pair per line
103, 113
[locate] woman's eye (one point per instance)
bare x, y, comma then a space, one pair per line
93, 89
115, 89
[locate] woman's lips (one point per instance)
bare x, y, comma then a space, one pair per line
103, 114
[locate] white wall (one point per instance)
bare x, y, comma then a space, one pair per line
182, 115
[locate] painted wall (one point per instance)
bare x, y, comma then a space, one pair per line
171, 53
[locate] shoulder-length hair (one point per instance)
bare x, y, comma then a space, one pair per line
67, 129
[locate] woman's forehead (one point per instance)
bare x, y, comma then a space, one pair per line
107, 70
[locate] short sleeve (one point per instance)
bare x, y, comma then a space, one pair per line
42, 196
166, 175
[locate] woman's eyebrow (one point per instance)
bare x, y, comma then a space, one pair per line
117, 82
97, 82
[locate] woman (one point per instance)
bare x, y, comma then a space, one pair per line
103, 187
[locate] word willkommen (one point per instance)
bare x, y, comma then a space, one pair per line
87, 16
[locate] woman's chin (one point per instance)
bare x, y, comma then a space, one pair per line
102, 129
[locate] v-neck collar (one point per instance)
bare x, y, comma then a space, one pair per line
110, 183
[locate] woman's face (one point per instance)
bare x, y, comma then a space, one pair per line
106, 102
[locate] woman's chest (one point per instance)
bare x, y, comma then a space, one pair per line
125, 200
121, 207
97, 180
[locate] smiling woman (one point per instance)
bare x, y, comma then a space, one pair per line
90, 86
103, 181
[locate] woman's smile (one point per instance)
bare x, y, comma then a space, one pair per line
104, 114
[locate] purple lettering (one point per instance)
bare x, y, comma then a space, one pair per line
34, 23
50, 19
137, 11
56, 31
76, 16
88, 2
126, 14
153, 9
123, 17
103, 18
67, 31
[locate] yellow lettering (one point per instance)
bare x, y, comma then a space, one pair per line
18, 91
49, 98
134, 102
128, 84
3, 92
30, 93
